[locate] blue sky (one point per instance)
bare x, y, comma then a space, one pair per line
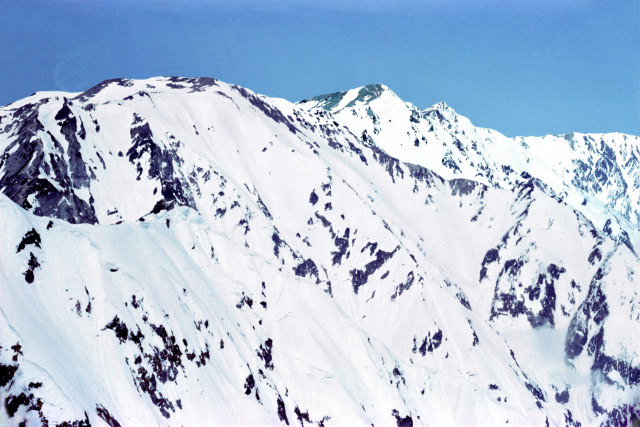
523, 67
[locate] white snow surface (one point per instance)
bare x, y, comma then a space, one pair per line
346, 260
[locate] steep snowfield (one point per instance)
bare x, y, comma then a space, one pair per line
183, 251
595, 173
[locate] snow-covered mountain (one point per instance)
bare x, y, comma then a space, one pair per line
594, 173
181, 251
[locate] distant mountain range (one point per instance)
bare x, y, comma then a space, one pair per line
182, 251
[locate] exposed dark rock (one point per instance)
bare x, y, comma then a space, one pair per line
69, 128
570, 422
93, 91
391, 164
106, 416
403, 286
593, 309
623, 415
160, 165
462, 298
492, 255
302, 416
263, 207
245, 301
429, 343
277, 243
464, 187
307, 268
269, 110
313, 198
595, 256
32, 265
514, 300
6, 373
401, 421
535, 391
30, 238
163, 205
22, 160
562, 397
119, 328
148, 384
282, 411
198, 84
360, 277
342, 244
13, 402
249, 384
264, 353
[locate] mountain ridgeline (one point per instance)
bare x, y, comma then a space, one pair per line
182, 251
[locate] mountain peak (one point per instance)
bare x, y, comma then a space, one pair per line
442, 107
345, 99
373, 90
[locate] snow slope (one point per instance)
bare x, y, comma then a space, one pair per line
186, 252
597, 174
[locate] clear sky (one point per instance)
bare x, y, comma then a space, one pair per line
523, 67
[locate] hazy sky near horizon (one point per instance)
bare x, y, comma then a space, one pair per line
522, 67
